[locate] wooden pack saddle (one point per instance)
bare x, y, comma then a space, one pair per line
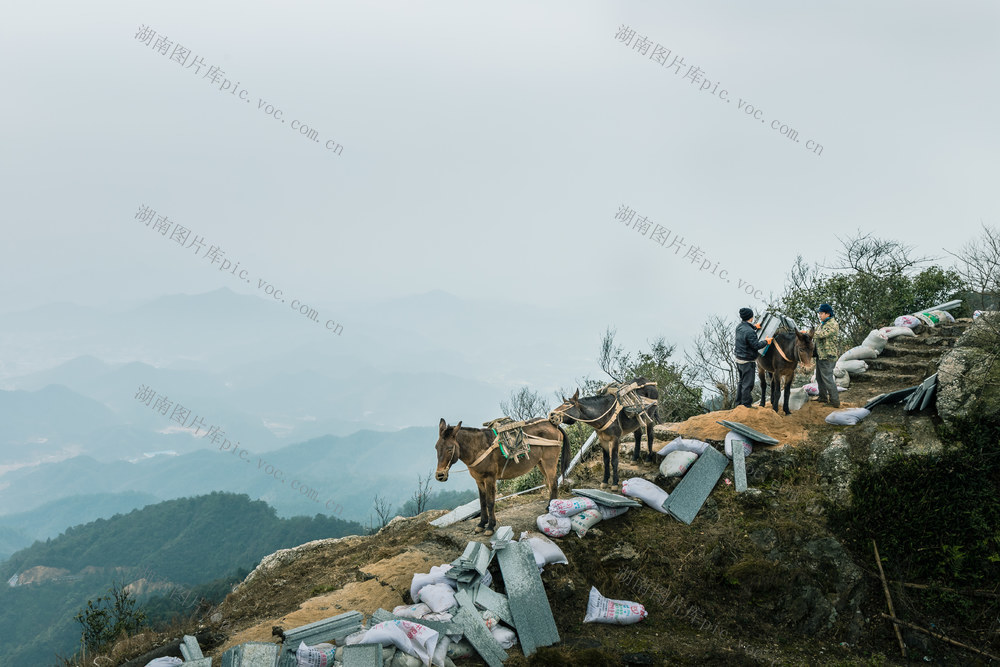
633, 403
509, 436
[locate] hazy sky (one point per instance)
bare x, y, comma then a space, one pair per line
486, 148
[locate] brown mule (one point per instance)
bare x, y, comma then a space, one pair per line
788, 350
607, 416
477, 448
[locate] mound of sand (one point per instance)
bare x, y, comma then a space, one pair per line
787, 429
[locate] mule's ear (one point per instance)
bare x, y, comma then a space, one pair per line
442, 425
457, 426
576, 396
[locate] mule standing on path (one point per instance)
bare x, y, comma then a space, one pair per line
478, 449
606, 415
788, 349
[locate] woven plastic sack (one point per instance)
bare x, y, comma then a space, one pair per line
853, 366
436, 576
683, 445
584, 521
675, 464
646, 491
617, 612
504, 636
843, 382
545, 550
610, 512
554, 526
847, 416
893, 332
906, 321
797, 397
407, 636
733, 438
839, 372
944, 317
570, 506
859, 352
439, 597
812, 389
876, 340
418, 610
319, 655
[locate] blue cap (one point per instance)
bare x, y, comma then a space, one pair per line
825, 308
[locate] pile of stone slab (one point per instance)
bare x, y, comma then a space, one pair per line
524, 607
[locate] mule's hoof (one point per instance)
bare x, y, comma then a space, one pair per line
488, 533
604, 485
614, 488
478, 529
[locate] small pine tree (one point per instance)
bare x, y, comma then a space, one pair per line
109, 618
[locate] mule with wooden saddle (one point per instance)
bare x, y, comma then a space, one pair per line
618, 409
503, 449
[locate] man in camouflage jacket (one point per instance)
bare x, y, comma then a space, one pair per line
826, 338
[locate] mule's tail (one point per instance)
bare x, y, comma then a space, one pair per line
564, 458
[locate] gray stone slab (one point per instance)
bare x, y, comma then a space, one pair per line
475, 630
363, 655
502, 537
929, 393
739, 467
696, 485
381, 616
460, 513
891, 397
333, 629
193, 650
607, 499
487, 598
748, 432
251, 654
199, 662
529, 605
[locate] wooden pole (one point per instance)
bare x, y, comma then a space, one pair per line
897, 622
888, 599
987, 594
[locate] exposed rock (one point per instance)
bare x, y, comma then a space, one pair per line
884, 447
283, 557
836, 470
964, 388
765, 538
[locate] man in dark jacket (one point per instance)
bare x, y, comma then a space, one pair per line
746, 357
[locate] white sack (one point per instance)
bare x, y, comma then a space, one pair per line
847, 416
646, 491
570, 506
853, 366
859, 352
585, 520
811, 389
876, 340
797, 397
165, 661
892, 332
683, 445
546, 551
732, 439
617, 612
407, 636
439, 597
504, 636
319, 655
610, 512
554, 526
675, 464
436, 576
906, 321
411, 610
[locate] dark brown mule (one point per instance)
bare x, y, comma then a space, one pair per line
607, 416
475, 447
788, 350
